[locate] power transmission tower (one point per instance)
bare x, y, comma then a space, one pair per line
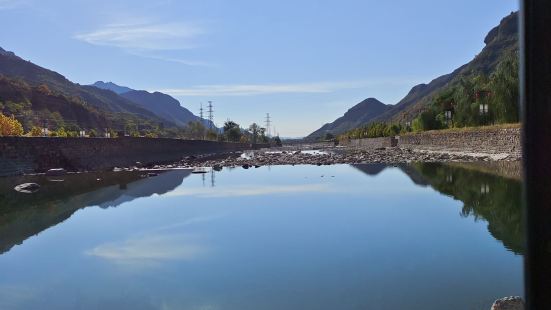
211, 115
268, 123
202, 124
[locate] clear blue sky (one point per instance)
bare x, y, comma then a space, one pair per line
306, 62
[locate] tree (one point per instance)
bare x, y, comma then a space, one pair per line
244, 139
232, 132
196, 130
277, 141
254, 129
504, 83
9, 126
212, 135
35, 132
263, 137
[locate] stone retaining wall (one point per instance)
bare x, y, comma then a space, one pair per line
484, 140
35, 154
491, 141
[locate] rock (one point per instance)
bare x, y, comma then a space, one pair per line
56, 172
508, 303
27, 188
245, 166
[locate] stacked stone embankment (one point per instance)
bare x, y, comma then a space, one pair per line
20, 155
483, 140
491, 141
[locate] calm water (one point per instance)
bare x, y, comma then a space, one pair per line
422, 236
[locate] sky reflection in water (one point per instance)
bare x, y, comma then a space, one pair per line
303, 237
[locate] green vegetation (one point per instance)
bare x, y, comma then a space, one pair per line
470, 101
494, 199
9, 126
232, 132
374, 130
475, 100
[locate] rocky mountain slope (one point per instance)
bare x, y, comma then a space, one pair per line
499, 42
361, 113
162, 105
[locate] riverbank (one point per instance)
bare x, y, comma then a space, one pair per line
336, 155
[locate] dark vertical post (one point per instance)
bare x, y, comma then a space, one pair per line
535, 79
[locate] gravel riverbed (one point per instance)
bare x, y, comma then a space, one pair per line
334, 156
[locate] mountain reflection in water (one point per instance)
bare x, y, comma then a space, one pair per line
25, 215
486, 194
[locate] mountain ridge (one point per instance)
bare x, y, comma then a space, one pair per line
161, 104
498, 41
359, 114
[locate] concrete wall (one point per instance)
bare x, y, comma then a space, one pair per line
492, 141
34, 154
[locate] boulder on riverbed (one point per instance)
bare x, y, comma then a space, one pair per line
27, 188
508, 303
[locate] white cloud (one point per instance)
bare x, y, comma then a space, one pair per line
182, 61
263, 89
145, 36
150, 249
251, 190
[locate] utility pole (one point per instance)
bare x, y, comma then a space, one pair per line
211, 115
268, 123
201, 112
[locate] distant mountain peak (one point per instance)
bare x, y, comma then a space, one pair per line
362, 113
112, 87
7, 53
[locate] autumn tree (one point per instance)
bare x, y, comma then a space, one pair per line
9, 126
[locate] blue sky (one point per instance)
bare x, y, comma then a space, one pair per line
305, 62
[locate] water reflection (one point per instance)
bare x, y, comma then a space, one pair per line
493, 195
24, 215
302, 237
485, 196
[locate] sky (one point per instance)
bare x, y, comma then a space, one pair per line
305, 62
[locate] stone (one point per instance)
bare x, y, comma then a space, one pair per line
56, 172
27, 188
508, 303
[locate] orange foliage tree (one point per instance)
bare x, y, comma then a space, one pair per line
9, 126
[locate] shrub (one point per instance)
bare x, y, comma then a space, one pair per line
9, 126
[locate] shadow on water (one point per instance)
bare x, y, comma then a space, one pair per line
25, 215
489, 193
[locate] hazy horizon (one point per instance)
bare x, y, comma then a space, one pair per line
304, 63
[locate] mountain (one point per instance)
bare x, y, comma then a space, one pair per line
35, 105
360, 114
117, 108
162, 105
500, 41
112, 87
